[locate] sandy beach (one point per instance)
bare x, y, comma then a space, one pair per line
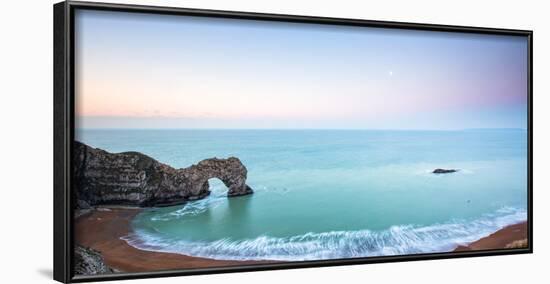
102, 230
513, 236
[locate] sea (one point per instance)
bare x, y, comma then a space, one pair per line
332, 194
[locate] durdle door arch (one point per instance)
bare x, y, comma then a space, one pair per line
134, 179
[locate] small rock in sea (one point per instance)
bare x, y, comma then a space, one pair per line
444, 171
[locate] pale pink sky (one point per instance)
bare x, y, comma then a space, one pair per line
190, 72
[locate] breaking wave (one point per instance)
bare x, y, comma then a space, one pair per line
396, 240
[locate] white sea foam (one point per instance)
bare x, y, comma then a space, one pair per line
396, 240
217, 197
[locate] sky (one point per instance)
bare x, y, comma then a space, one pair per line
137, 70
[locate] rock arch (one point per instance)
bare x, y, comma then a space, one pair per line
135, 179
230, 171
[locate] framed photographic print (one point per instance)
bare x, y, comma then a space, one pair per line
198, 141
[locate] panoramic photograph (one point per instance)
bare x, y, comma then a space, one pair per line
206, 142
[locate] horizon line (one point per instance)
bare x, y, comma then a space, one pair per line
294, 129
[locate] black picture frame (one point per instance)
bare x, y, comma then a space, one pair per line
64, 66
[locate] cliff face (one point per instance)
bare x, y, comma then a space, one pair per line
132, 178
89, 262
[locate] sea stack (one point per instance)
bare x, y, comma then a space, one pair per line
444, 171
135, 179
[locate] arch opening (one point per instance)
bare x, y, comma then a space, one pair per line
217, 187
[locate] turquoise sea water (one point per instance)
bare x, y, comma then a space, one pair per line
322, 194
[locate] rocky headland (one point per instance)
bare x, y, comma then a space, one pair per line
135, 179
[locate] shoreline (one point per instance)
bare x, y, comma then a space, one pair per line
103, 228
511, 236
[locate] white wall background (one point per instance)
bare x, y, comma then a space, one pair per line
26, 140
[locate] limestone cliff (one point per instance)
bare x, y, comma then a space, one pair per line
135, 179
89, 262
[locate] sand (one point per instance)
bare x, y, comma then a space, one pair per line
102, 230
500, 239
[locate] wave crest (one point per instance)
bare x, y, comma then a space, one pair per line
396, 240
